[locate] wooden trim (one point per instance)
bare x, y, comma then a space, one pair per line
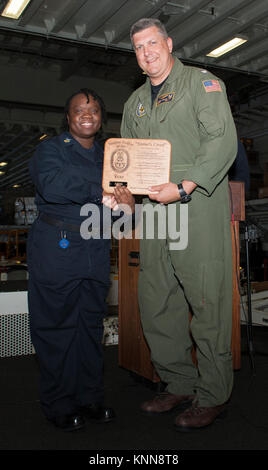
134, 353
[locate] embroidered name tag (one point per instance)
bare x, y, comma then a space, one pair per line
165, 98
140, 111
212, 85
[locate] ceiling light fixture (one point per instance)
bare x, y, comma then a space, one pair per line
226, 47
3, 163
14, 8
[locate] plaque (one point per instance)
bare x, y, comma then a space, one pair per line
136, 164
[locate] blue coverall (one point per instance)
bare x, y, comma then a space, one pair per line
67, 286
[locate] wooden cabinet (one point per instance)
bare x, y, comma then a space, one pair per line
134, 353
13, 243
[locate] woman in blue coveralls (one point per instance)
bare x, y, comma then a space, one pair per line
69, 275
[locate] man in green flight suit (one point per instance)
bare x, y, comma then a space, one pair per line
188, 107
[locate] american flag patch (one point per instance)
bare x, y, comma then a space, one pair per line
211, 85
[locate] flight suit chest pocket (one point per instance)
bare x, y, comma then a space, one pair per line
166, 103
141, 126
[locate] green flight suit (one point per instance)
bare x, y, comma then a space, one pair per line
192, 112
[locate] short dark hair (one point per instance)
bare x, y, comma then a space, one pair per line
145, 23
87, 92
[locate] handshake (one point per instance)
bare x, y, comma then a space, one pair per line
121, 195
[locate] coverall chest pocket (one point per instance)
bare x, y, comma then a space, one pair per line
169, 103
82, 167
140, 127
75, 158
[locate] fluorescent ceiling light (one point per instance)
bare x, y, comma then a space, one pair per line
14, 8
3, 163
228, 46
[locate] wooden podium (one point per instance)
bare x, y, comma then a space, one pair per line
134, 353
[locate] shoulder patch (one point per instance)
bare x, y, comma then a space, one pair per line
211, 85
67, 141
140, 111
165, 98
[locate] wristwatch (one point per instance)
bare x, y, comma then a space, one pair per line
184, 196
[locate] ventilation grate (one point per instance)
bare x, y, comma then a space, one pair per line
15, 337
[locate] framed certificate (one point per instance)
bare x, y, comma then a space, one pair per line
136, 164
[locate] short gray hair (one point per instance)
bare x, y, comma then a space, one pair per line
145, 23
